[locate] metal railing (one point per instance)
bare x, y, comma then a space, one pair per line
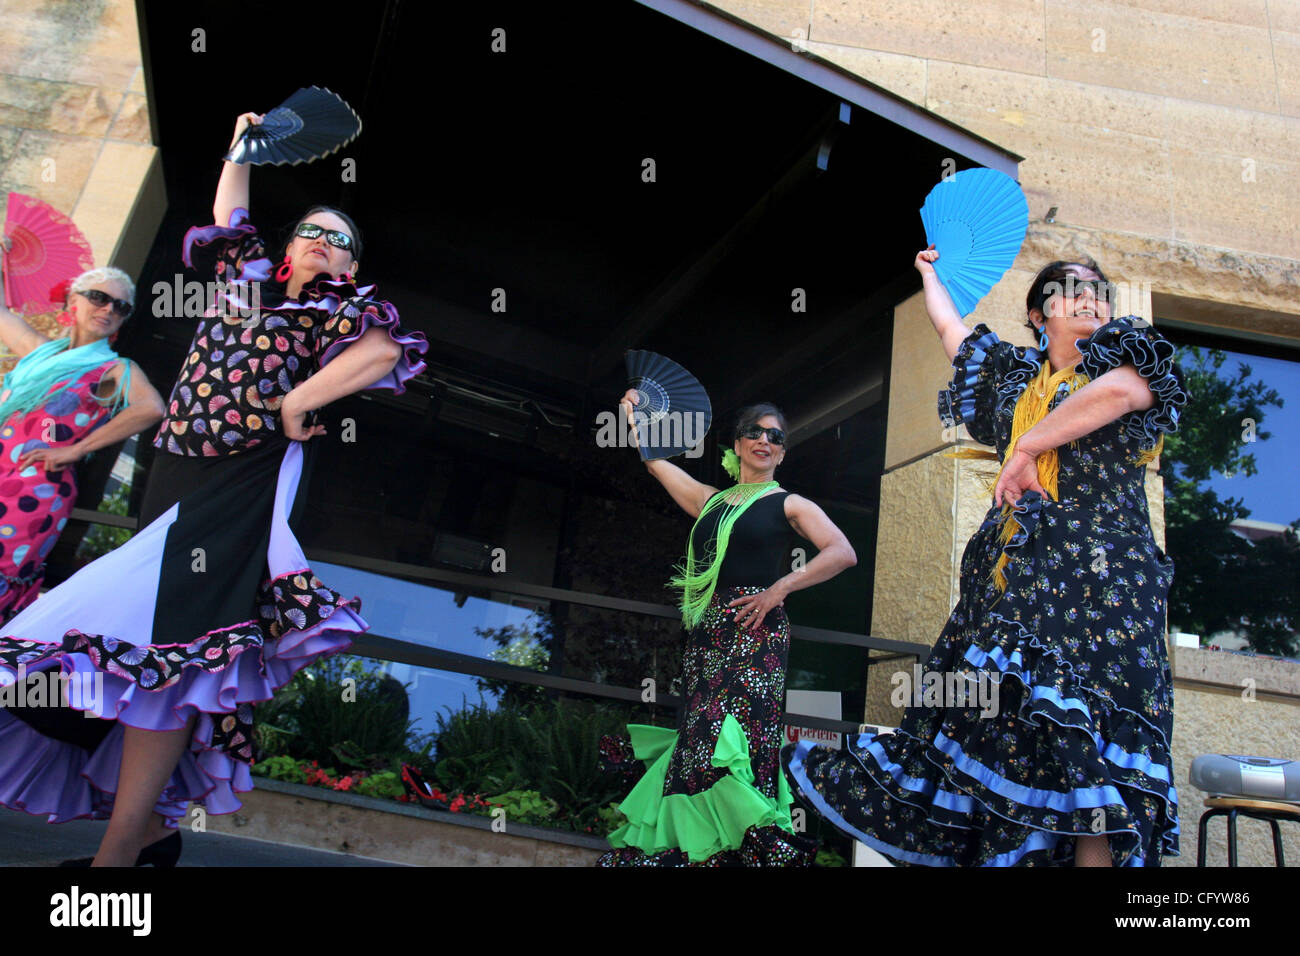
399, 651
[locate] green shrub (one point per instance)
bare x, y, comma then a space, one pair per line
552, 748
337, 710
386, 784
280, 768
526, 806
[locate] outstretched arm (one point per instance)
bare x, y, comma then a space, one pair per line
1108, 397
938, 304
691, 495
232, 188
358, 366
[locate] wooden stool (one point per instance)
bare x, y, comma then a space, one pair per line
1270, 810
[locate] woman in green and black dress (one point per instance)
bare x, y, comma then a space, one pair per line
713, 792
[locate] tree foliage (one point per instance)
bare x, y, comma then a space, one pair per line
1222, 581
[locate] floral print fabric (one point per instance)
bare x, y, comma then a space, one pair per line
1078, 743
727, 672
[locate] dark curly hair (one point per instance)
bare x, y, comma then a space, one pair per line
1052, 278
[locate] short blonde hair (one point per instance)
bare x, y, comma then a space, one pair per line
104, 274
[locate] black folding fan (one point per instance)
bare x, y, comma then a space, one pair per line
310, 124
673, 410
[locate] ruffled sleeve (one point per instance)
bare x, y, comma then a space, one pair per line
356, 313
232, 253
987, 373
1131, 341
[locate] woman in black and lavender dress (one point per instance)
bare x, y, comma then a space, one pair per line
211, 607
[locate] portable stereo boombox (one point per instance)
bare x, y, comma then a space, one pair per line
1238, 776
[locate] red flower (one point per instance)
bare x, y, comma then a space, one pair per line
59, 293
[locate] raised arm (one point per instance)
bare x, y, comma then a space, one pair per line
232, 188
18, 337
1106, 398
938, 304
690, 495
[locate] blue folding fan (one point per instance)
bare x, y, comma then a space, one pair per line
977, 220
673, 409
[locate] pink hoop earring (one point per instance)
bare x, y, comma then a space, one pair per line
283, 273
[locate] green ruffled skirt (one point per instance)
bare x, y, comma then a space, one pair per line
713, 792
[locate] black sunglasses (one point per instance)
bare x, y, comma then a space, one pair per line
774, 435
100, 299
339, 240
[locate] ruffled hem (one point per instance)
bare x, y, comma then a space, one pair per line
1119, 342
156, 687
1103, 748
121, 673
701, 825
965, 795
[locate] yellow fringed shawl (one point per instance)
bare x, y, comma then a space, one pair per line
1031, 408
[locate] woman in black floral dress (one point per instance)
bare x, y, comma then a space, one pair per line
211, 607
713, 793
1061, 616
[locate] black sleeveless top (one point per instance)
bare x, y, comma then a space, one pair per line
759, 550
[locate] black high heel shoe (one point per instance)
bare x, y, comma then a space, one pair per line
164, 852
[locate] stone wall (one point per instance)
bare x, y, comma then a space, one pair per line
1130, 117
1228, 703
74, 122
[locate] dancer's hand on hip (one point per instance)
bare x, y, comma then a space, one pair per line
752, 608
1019, 475
292, 419
54, 459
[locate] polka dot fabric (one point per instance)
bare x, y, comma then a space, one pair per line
34, 503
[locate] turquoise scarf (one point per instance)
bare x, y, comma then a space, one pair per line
55, 366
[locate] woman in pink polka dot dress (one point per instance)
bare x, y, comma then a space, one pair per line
64, 399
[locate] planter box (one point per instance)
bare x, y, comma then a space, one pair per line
396, 832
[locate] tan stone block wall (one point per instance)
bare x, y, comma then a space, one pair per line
1286, 56
1131, 118
74, 121
1126, 46
1007, 34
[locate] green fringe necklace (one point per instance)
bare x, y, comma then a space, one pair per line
697, 586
